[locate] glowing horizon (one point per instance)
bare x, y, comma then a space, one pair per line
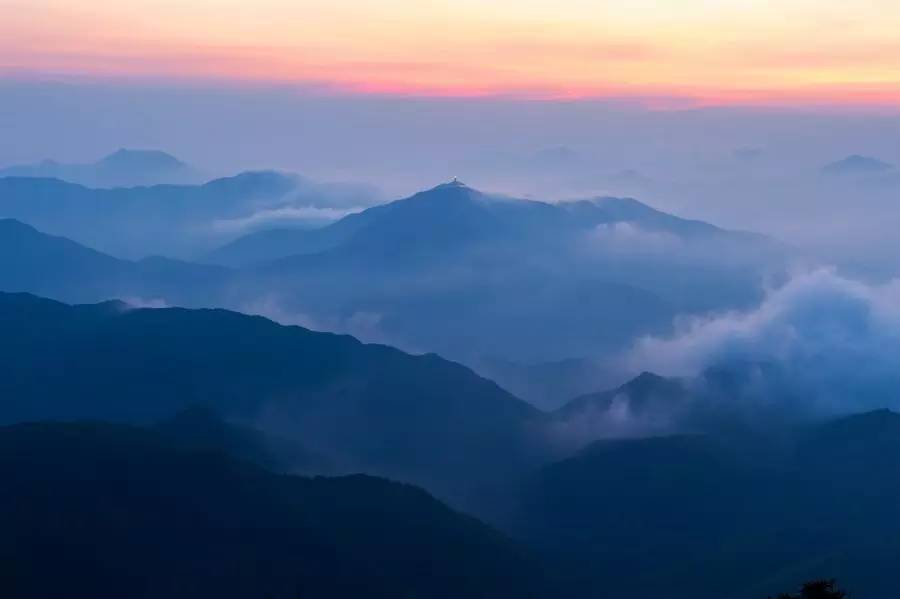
727, 52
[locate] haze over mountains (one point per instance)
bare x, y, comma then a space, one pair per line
60, 268
857, 165
589, 276
181, 220
470, 216
685, 157
634, 514
668, 394
339, 300
366, 408
122, 168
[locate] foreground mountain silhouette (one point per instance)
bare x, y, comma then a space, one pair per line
363, 407
113, 511
201, 428
122, 168
644, 516
681, 515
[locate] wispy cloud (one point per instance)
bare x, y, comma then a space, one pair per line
835, 338
284, 215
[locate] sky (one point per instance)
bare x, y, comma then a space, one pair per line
706, 52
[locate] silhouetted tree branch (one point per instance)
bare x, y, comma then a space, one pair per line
817, 589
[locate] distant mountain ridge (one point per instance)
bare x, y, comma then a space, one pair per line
456, 214
589, 275
738, 401
174, 220
857, 165
31, 261
644, 393
450, 270
122, 168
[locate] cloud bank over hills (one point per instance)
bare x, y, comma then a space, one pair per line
818, 346
763, 352
610, 271
836, 338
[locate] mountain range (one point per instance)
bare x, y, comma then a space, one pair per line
588, 276
451, 216
106, 510
708, 505
856, 164
31, 261
176, 220
122, 168
361, 407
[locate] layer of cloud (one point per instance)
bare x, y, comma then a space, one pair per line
366, 326
154, 303
626, 237
617, 420
282, 216
835, 340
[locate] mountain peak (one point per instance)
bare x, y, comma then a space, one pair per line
145, 158
645, 380
122, 168
453, 184
857, 164
450, 191
248, 180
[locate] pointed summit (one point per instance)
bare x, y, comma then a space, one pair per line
122, 168
857, 165
453, 191
155, 159
453, 184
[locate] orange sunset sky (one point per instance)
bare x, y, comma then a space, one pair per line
708, 51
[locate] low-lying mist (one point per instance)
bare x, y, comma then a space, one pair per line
820, 345
835, 338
